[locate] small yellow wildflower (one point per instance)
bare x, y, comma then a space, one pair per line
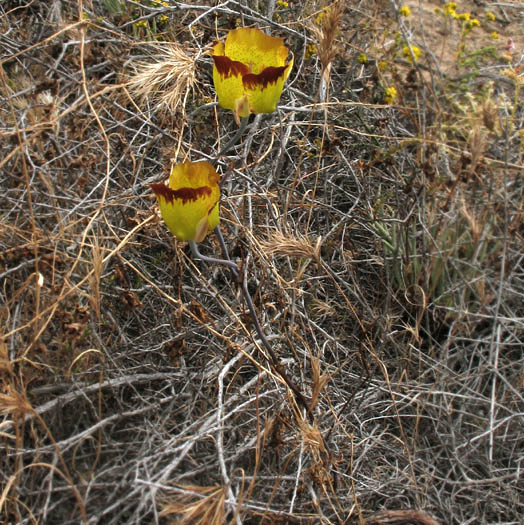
311, 50
162, 19
416, 53
382, 65
282, 3
494, 35
404, 11
464, 17
390, 94
450, 9
320, 17
490, 16
362, 58
140, 23
470, 24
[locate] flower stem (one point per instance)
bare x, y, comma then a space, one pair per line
274, 361
226, 262
236, 136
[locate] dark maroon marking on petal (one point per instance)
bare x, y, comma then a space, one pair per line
269, 76
227, 67
183, 194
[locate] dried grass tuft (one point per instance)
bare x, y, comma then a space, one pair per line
278, 244
14, 403
168, 81
197, 505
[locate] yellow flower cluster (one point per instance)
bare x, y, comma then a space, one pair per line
319, 19
362, 58
404, 11
470, 24
282, 4
450, 9
490, 16
390, 94
311, 49
416, 53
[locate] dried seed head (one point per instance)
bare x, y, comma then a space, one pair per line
326, 33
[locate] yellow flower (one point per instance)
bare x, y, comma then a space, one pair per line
311, 50
464, 16
470, 24
404, 11
320, 18
249, 71
189, 201
494, 35
362, 58
390, 95
416, 53
490, 16
450, 9
282, 3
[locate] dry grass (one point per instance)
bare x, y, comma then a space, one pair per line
166, 82
382, 245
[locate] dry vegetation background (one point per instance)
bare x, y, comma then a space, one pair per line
382, 244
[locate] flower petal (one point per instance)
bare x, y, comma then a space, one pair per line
255, 49
227, 78
189, 205
264, 90
249, 71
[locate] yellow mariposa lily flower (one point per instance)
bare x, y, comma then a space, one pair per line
249, 71
189, 200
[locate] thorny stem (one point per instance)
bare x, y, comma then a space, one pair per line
274, 361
